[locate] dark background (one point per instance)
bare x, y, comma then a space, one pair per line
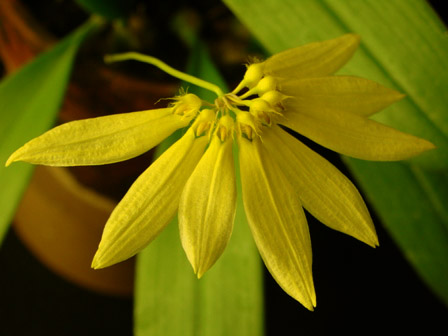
360, 291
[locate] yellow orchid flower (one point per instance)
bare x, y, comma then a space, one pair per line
296, 90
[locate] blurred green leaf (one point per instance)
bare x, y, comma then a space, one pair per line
404, 46
29, 102
411, 202
228, 299
110, 9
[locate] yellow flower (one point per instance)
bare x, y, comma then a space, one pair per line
196, 177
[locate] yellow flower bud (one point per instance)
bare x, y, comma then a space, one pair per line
187, 105
273, 97
247, 125
225, 126
204, 122
266, 84
253, 74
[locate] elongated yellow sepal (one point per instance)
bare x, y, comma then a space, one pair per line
100, 140
150, 203
340, 93
323, 190
207, 206
313, 59
277, 222
353, 135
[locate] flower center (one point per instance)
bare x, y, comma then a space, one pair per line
250, 113
256, 108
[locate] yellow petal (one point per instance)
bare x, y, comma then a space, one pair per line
207, 206
313, 59
353, 135
277, 222
100, 140
324, 191
342, 93
150, 203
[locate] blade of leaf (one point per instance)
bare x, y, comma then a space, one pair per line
169, 300
29, 102
165, 288
412, 204
404, 47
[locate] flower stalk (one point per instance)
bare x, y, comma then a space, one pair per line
164, 67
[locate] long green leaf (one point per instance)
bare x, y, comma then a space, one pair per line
403, 46
227, 300
412, 204
29, 102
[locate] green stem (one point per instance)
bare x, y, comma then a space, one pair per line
164, 67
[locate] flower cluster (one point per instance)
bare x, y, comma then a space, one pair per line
195, 177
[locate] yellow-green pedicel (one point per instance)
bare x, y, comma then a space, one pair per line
195, 177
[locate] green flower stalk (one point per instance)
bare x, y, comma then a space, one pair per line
195, 177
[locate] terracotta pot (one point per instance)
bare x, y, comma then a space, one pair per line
61, 222
63, 213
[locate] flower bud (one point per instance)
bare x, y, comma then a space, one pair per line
266, 84
247, 125
187, 105
273, 97
224, 129
204, 122
253, 74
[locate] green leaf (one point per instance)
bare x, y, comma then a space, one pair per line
411, 202
110, 9
403, 46
227, 300
29, 102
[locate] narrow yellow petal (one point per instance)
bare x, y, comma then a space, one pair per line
313, 59
207, 206
341, 93
277, 222
353, 135
100, 140
150, 203
324, 191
